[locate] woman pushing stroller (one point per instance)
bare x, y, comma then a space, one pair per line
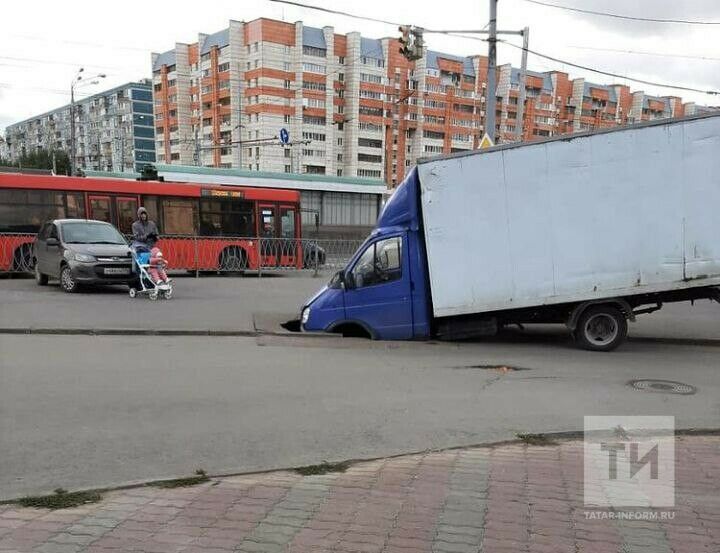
149, 260
145, 232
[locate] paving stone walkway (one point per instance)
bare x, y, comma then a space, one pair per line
507, 498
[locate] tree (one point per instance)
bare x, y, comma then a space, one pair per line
43, 159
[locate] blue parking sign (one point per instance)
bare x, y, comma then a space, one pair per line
284, 136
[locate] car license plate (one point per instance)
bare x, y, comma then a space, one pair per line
117, 271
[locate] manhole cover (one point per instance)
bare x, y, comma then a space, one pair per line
663, 387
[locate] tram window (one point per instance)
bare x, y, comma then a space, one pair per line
226, 218
179, 216
287, 222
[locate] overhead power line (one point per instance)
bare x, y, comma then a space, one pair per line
610, 74
620, 16
535, 53
643, 53
375, 19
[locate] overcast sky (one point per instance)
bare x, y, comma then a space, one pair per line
43, 43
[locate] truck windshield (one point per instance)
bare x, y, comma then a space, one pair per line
91, 233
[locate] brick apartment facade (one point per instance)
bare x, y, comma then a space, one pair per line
354, 106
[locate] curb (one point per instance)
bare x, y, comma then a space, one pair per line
561, 436
707, 342
157, 332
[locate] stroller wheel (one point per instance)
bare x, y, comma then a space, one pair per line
132, 292
167, 294
153, 295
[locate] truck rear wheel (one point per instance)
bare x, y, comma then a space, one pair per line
601, 328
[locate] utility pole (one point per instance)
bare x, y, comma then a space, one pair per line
492, 63
523, 83
72, 129
122, 149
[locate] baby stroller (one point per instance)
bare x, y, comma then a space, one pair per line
145, 283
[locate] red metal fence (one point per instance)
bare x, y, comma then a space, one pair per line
201, 253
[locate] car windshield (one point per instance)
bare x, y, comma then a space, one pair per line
91, 233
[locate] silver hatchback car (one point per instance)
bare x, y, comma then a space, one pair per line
80, 251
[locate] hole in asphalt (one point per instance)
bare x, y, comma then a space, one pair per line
323, 468
663, 386
496, 368
293, 325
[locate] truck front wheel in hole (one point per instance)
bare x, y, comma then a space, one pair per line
601, 328
233, 259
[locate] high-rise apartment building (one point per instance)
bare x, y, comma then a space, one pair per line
354, 106
114, 130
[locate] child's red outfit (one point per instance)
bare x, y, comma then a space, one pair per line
157, 266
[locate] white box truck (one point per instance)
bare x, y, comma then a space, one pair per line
588, 230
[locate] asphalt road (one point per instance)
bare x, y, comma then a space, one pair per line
230, 304
81, 411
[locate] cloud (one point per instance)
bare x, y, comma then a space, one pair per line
697, 10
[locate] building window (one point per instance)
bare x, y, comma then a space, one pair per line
369, 143
286, 66
365, 110
310, 85
368, 78
287, 152
339, 172
175, 156
340, 141
371, 94
370, 127
313, 68
368, 158
287, 83
313, 120
312, 51
316, 136
313, 103
286, 118
341, 60
369, 173
224, 67
287, 169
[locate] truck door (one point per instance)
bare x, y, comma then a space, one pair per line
379, 290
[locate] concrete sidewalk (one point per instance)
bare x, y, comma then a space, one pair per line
505, 498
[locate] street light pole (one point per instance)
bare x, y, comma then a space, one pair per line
73, 84
492, 63
523, 87
72, 120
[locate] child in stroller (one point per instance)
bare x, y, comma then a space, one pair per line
152, 278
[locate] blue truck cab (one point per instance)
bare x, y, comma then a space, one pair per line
383, 292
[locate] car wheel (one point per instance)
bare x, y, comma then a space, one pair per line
40, 278
67, 281
601, 328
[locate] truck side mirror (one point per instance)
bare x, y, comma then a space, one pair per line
348, 280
